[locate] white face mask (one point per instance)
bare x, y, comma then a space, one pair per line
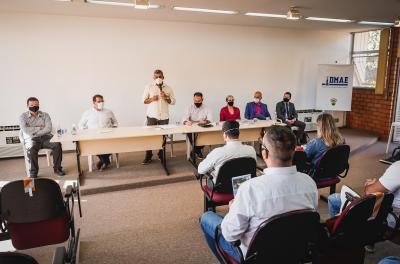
256, 100
159, 81
100, 106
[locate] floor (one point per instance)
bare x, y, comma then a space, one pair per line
159, 224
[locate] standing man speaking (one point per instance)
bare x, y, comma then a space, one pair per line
157, 96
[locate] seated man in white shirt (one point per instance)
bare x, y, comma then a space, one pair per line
197, 113
389, 182
279, 190
232, 149
99, 117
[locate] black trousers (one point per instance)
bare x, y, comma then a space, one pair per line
197, 149
104, 158
300, 126
35, 144
154, 122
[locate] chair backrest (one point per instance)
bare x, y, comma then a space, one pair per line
300, 161
285, 238
16, 258
232, 168
333, 162
377, 225
351, 227
37, 220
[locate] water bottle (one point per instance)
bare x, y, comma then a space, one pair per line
74, 129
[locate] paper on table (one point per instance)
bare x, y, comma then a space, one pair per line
105, 131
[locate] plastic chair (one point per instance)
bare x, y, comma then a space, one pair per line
46, 152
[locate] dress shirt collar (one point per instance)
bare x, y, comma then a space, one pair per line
30, 114
234, 142
280, 170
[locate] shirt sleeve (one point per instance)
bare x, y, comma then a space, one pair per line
237, 220
310, 149
47, 126
221, 115
186, 115
172, 97
208, 163
391, 178
83, 122
146, 93
26, 129
114, 121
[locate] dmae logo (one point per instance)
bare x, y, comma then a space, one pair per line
336, 81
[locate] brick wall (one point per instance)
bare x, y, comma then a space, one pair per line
374, 112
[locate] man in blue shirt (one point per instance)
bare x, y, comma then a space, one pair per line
256, 109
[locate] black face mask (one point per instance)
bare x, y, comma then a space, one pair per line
34, 109
286, 100
230, 103
198, 104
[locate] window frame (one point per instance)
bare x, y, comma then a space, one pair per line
352, 52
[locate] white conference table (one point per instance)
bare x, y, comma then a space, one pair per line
134, 139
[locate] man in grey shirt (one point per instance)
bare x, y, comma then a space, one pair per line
36, 130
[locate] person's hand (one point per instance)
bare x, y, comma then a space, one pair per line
369, 182
188, 122
230, 202
154, 98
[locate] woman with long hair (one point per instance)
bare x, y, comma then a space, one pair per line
328, 136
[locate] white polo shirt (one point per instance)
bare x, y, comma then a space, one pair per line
97, 119
158, 109
218, 156
278, 191
391, 181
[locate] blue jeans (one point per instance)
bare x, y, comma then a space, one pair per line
334, 204
390, 260
209, 222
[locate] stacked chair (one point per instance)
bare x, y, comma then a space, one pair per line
42, 217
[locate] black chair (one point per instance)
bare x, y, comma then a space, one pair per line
286, 238
299, 159
361, 223
333, 165
220, 192
16, 258
45, 218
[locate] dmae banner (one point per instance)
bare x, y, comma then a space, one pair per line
334, 87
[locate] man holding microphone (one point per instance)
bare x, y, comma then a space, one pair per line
157, 96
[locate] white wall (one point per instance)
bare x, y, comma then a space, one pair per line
64, 60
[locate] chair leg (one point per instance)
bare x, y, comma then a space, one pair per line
90, 163
48, 158
117, 160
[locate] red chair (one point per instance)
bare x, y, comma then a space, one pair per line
45, 218
289, 238
361, 223
220, 192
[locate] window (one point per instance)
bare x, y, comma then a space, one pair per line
365, 56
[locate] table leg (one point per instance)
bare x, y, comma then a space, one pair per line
164, 157
78, 163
